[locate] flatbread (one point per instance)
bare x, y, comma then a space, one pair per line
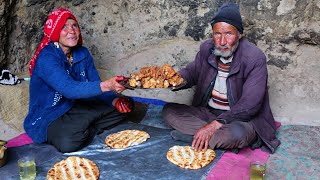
186, 157
126, 138
74, 167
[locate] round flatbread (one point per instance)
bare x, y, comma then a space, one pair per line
126, 138
74, 167
186, 157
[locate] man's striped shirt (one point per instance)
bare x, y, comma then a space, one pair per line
219, 99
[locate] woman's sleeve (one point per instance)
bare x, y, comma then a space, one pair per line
93, 75
51, 71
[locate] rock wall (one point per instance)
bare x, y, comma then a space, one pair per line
5, 28
125, 35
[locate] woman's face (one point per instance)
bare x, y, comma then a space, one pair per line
226, 39
69, 35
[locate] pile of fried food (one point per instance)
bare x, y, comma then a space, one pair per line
155, 77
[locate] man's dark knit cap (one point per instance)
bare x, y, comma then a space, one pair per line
230, 14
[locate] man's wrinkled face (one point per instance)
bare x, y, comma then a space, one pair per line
69, 35
226, 39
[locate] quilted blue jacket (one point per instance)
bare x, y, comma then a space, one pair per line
56, 85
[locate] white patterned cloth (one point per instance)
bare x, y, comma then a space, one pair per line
7, 78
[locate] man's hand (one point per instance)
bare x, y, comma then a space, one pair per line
203, 135
122, 104
113, 84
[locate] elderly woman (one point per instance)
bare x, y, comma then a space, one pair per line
69, 104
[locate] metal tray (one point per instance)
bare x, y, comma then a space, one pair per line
172, 88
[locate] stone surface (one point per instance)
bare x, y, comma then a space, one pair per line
5, 27
126, 35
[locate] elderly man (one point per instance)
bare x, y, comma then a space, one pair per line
230, 109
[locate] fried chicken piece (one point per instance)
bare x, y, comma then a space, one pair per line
144, 72
176, 80
148, 83
132, 82
160, 82
153, 83
144, 82
166, 84
167, 71
135, 76
139, 84
155, 72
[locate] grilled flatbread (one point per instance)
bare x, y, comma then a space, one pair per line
186, 157
126, 138
74, 167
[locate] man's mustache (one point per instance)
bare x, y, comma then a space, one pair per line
223, 47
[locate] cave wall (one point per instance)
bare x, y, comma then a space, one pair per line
125, 35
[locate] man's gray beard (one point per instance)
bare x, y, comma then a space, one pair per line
226, 54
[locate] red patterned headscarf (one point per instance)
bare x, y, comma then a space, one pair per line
52, 29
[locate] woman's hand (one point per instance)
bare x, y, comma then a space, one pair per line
122, 104
112, 84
